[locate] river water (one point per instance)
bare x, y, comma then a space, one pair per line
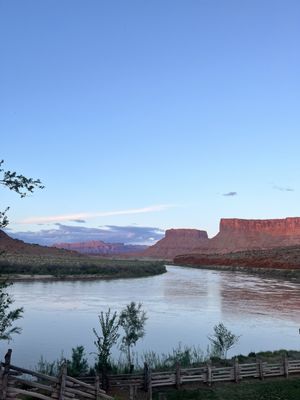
182, 305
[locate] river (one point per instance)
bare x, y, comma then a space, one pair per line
182, 305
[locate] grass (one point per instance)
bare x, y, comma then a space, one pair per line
81, 266
273, 389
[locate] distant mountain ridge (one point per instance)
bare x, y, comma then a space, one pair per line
16, 246
234, 235
101, 248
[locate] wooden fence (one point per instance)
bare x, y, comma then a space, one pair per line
16, 381
207, 374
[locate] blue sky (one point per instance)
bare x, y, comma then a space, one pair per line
145, 113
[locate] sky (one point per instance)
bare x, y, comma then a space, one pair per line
149, 114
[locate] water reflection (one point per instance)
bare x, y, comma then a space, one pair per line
244, 294
182, 305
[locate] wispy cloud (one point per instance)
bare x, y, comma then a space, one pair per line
110, 233
83, 216
283, 188
230, 194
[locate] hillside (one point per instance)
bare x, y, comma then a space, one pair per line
16, 246
19, 260
101, 248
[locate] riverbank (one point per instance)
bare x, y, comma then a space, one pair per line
286, 274
47, 268
281, 262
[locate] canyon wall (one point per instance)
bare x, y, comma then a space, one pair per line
176, 241
234, 235
274, 227
242, 234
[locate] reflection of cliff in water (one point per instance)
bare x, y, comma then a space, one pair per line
185, 289
243, 294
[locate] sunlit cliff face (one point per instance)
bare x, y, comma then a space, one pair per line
234, 235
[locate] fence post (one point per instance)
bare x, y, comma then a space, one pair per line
4, 374
131, 392
236, 370
146, 377
261, 369
149, 385
62, 381
177, 376
135, 392
285, 362
97, 386
209, 373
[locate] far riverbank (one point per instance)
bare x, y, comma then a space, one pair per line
276, 273
35, 268
280, 262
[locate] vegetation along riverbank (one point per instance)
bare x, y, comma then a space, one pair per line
280, 262
46, 267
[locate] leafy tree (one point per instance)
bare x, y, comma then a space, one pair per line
17, 183
78, 365
109, 325
222, 340
8, 316
22, 186
132, 320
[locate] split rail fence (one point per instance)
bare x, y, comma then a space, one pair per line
16, 383
207, 374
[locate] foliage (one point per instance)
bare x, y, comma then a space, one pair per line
63, 265
8, 316
109, 325
132, 320
17, 183
186, 356
78, 365
222, 340
49, 368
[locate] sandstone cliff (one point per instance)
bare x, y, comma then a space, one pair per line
176, 241
234, 235
242, 234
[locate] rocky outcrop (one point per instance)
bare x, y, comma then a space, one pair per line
101, 248
176, 241
242, 234
274, 227
234, 235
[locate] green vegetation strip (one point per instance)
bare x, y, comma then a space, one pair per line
63, 267
273, 389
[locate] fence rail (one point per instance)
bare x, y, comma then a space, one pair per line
16, 381
207, 374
